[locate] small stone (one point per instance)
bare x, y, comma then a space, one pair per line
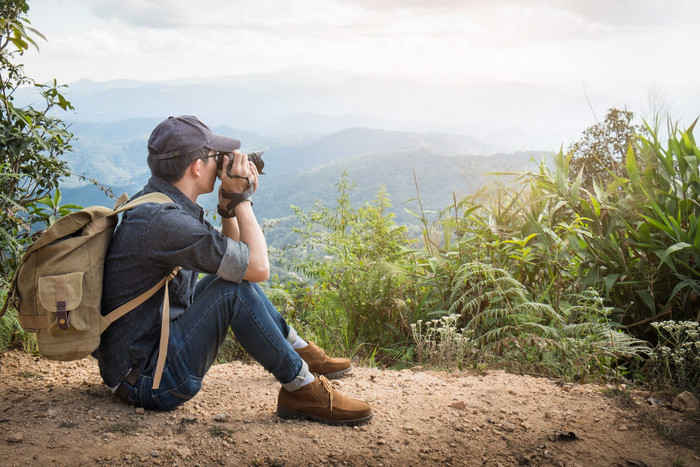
183, 452
566, 388
459, 405
507, 426
155, 453
685, 402
140, 410
14, 438
221, 417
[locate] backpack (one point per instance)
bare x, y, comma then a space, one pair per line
57, 288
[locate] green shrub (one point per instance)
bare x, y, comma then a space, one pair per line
675, 360
12, 336
355, 295
441, 342
509, 328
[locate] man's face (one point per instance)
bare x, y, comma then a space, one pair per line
209, 169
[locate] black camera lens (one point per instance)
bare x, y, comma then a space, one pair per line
256, 158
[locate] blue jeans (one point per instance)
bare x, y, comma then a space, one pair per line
197, 335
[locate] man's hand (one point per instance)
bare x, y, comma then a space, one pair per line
241, 168
244, 227
244, 172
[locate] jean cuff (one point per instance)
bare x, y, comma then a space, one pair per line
292, 336
297, 382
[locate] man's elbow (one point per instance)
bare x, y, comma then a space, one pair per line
257, 273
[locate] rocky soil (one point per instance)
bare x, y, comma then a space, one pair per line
54, 413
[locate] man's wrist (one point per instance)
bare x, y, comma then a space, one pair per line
243, 201
227, 213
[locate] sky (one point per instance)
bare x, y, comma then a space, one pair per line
631, 49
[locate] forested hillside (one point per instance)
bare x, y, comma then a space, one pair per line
303, 172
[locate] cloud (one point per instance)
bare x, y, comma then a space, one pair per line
145, 13
607, 12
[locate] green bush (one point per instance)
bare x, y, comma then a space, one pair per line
31, 137
675, 360
12, 336
355, 296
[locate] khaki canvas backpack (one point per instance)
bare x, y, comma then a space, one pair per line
57, 289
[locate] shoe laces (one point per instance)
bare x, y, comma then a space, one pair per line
327, 386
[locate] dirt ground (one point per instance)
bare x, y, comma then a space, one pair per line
54, 413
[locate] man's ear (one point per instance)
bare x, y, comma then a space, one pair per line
195, 168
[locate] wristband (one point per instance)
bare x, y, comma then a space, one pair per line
224, 213
235, 198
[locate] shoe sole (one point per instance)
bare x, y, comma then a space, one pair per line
294, 415
337, 374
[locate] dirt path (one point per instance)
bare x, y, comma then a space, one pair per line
60, 414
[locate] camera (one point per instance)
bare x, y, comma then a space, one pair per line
254, 157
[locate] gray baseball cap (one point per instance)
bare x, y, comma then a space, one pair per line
178, 136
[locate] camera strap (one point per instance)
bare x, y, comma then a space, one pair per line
235, 199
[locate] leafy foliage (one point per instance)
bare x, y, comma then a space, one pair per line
32, 139
505, 324
356, 294
13, 336
601, 154
675, 362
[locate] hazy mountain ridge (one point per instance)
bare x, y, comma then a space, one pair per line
302, 173
504, 116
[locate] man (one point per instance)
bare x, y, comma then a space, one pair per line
152, 239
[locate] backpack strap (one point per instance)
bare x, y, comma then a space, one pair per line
165, 320
155, 197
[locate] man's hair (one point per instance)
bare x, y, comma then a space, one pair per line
173, 169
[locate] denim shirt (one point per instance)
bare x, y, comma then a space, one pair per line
149, 242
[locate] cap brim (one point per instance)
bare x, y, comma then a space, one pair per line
223, 144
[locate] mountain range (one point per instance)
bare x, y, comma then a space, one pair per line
314, 125
302, 101
304, 172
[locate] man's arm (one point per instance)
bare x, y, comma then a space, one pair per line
244, 227
229, 227
252, 235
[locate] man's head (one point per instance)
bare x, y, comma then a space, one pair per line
178, 141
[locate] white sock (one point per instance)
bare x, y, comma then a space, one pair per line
299, 343
309, 379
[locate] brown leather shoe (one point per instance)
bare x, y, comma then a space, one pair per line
318, 401
322, 364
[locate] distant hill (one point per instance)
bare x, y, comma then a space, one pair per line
502, 116
115, 153
303, 171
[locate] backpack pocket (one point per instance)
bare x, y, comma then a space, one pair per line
61, 296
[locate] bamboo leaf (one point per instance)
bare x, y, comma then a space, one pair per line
673, 249
610, 281
647, 299
685, 283
632, 169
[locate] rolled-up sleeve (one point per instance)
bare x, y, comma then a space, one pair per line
175, 238
234, 262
